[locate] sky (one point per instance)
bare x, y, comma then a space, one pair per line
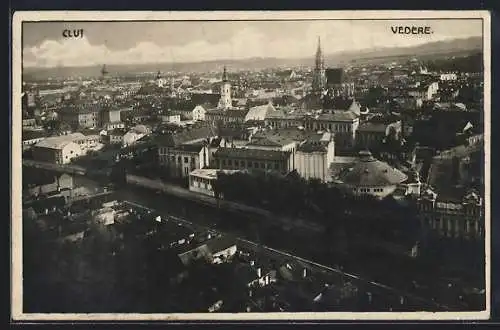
168, 42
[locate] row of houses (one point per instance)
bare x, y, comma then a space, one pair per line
64, 148
90, 115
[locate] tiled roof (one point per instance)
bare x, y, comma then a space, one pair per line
372, 127
284, 136
312, 146
186, 136
335, 116
265, 142
259, 112
189, 147
227, 113
59, 142
244, 153
368, 171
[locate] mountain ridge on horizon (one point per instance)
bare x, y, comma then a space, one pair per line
435, 47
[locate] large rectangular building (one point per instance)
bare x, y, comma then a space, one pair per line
82, 116
344, 124
57, 150
314, 157
253, 159
182, 159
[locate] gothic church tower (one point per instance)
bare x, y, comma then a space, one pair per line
319, 77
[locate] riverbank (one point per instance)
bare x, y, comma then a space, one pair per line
181, 192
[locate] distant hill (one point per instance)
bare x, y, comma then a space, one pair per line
439, 48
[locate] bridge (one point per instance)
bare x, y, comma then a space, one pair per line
60, 168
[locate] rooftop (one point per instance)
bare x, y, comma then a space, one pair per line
312, 146
195, 147
252, 154
59, 142
184, 137
372, 127
368, 171
336, 116
284, 136
210, 173
259, 112
227, 113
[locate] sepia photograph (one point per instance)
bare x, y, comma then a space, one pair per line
250, 165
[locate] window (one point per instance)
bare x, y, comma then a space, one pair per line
249, 164
256, 165
223, 162
276, 166
230, 162
262, 165
193, 160
236, 163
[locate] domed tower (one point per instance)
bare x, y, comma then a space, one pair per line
104, 72
225, 92
369, 176
319, 77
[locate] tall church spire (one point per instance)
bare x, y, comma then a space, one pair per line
319, 56
319, 78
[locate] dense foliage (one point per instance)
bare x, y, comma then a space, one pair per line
294, 197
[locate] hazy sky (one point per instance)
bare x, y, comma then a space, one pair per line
160, 42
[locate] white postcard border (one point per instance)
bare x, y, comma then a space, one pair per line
16, 175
